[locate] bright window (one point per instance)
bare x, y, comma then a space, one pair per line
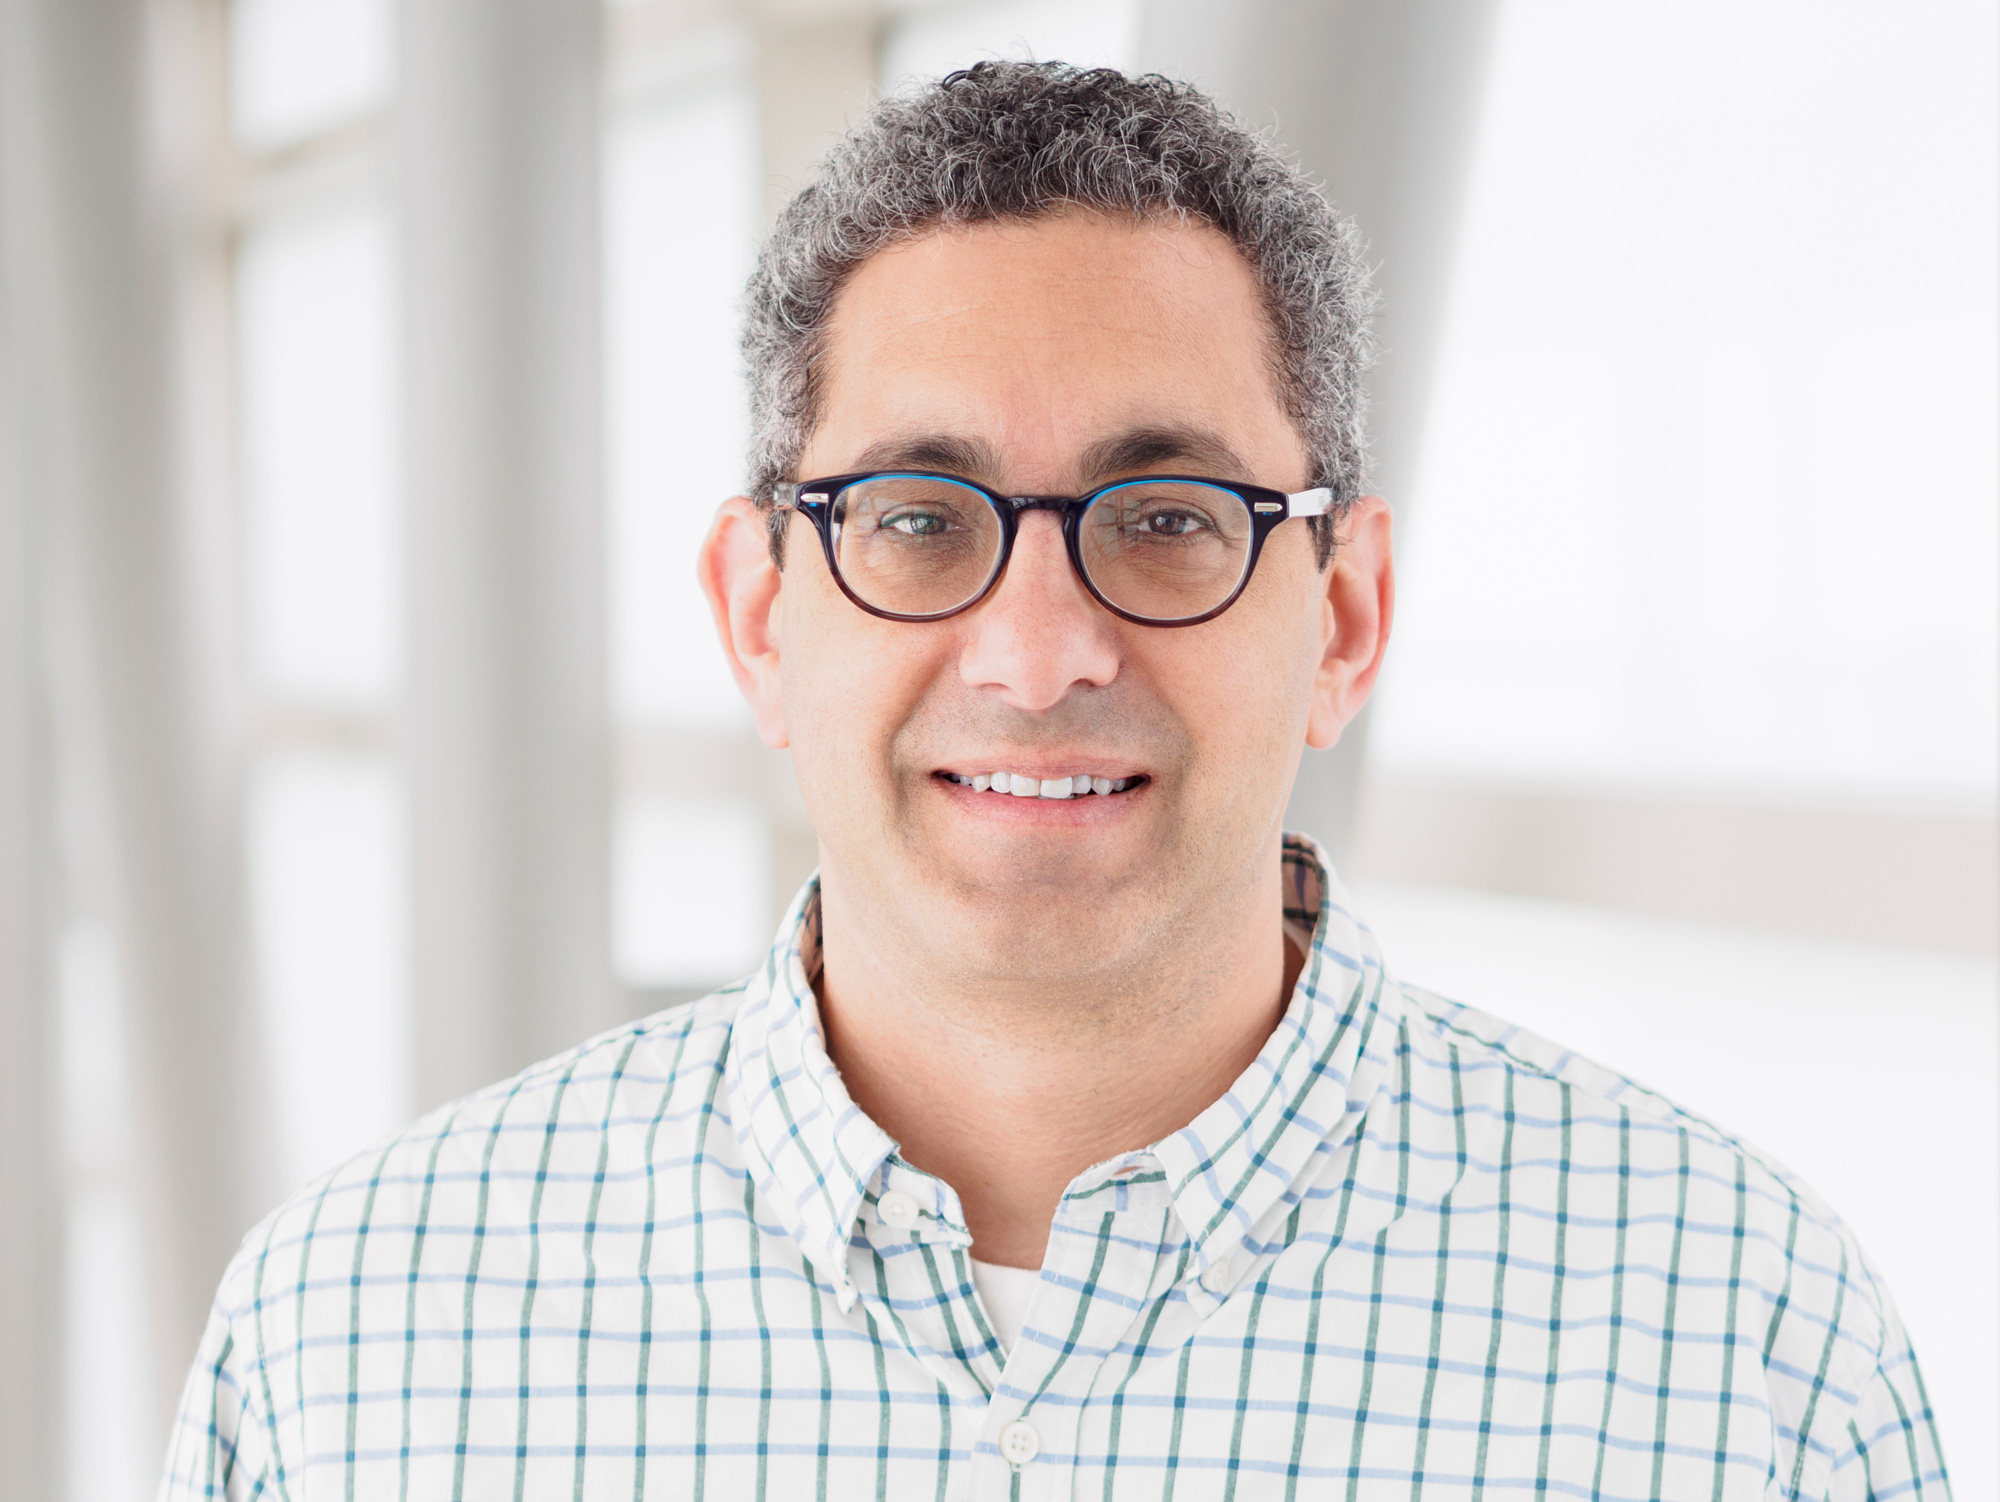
1708, 492
326, 868
316, 370
300, 67
692, 884
680, 237
317, 410
692, 899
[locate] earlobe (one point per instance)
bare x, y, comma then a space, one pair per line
1361, 604
743, 587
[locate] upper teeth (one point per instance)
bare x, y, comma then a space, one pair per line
1043, 787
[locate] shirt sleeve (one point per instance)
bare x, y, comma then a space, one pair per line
1890, 1448
220, 1440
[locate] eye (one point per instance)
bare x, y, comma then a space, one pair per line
1171, 524
917, 523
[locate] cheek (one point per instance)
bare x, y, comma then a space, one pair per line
1253, 706
850, 682
1246, 686
820, 714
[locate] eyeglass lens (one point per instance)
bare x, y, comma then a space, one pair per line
1163, 550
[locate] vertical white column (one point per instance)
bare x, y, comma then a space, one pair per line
31, 1229
102, 228
1379, 99
498, 165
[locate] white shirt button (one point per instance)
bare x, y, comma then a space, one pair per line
1216, 1279
898, 1209
1019, 1443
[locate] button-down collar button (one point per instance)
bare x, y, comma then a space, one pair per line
1019, 1443
1216, 1278
898, 1209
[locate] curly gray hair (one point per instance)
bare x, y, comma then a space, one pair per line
1015, 140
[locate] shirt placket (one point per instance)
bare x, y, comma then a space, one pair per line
907, 1262
1098, 1279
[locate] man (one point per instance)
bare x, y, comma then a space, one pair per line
1073, 1140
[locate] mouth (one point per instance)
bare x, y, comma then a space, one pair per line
1020, 785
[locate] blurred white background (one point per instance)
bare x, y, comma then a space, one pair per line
1686, 752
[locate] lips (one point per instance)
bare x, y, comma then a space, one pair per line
1021, 785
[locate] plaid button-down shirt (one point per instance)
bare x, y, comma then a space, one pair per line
1412, 1252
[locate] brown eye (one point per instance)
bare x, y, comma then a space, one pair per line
1170, 524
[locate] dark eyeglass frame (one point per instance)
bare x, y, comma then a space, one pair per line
1268, 509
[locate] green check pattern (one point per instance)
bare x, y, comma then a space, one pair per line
1413, 1252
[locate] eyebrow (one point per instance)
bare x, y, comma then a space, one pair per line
950, 453
1110, 458
1143, 448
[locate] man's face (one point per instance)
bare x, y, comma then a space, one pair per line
1048, 358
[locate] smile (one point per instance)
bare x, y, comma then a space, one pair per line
1015, 785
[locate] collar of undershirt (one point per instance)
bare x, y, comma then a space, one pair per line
1233, 1173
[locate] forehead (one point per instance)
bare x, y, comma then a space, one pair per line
1038, 341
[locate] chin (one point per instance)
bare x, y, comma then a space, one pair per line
1053, 905
1037, 869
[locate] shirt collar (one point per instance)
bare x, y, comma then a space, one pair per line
819, 1162
810, 1149
1235, 1172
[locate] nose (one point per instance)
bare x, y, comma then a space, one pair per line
1039, 633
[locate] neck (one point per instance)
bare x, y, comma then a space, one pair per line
1008, 1096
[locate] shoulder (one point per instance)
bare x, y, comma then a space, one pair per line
465, 1195
1681, 1245
1545, 1069
1732, 1212
473, 1164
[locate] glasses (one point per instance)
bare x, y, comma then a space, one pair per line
1165, 550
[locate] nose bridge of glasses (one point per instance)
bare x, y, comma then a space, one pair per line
1039, 568
1060, 504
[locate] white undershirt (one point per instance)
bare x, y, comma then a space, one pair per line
1004, 1291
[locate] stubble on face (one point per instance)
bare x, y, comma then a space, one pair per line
1101, 931
1085, 892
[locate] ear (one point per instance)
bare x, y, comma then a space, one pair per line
743, 586
1360, 601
